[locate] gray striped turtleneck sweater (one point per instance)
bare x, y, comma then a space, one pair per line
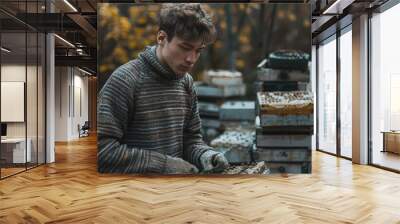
146, 112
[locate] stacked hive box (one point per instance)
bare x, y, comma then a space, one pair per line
211, 125
284, 124
237, 111
284, 71
217, 88
221, 84
238, 139
236, 144
283, 136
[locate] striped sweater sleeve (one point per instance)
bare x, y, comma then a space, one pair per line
194, 146
115, 106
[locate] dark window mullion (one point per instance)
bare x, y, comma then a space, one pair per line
338, 95
0, 95
316, 96
37, 90
369, 100
26, 86
45, 87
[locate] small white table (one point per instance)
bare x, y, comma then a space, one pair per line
17, 146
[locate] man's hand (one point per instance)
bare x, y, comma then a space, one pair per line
176, 165
213, 161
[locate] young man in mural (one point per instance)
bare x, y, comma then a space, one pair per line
148, 119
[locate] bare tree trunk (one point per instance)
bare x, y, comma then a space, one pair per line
230, 38
267, 43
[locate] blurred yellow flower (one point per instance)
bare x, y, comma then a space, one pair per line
292, 17
306, 23
124, 24
120, 54
240, 63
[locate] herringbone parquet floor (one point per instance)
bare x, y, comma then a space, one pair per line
71, 191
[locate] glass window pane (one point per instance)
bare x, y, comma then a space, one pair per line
32, 85
346, 94
22, 62
13, 87
31, 96
385, 89
41, 98
327, 97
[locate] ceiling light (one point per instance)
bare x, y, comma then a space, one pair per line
5, 50
79, 51
331, 8
71, 6
86, 72
64, 40
337, 7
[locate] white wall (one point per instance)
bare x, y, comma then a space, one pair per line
12, 73
79, 112
70, 83
12, 101
61, 103
33, 126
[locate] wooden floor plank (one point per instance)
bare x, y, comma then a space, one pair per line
71, 191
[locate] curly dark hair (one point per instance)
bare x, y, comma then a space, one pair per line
188, 21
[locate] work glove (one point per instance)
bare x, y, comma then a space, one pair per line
176, 165
212, 161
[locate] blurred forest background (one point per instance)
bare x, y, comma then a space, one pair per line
247, 33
